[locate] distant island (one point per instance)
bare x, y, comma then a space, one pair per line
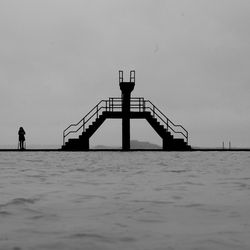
144, 145
135, 144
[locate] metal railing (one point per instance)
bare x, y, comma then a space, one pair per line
93, 113
175, 128
114, 104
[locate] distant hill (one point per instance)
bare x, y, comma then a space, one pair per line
105, 147
134, 145
143, 145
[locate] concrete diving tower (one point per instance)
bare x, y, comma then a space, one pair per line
174, 137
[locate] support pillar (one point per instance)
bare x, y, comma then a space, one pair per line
126, 89
85, 145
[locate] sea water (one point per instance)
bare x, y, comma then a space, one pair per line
124, 200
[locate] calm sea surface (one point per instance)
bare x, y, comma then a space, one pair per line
114, 200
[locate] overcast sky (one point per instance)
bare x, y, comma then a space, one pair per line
58, 58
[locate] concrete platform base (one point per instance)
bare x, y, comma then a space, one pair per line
131, 150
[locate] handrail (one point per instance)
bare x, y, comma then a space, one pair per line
81, 121
75, 131
176, 132
114, 104
168, 120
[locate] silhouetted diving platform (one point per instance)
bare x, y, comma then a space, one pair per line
174, 137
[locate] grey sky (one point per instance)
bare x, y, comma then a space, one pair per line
58, 58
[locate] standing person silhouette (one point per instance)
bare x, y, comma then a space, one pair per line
21, 134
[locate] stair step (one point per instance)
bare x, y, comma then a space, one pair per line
72, 140
82, 136
179, 140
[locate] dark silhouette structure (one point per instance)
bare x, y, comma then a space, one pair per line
126, 89
21, 138
174, 137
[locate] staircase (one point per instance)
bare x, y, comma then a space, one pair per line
169, 142
174, 137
